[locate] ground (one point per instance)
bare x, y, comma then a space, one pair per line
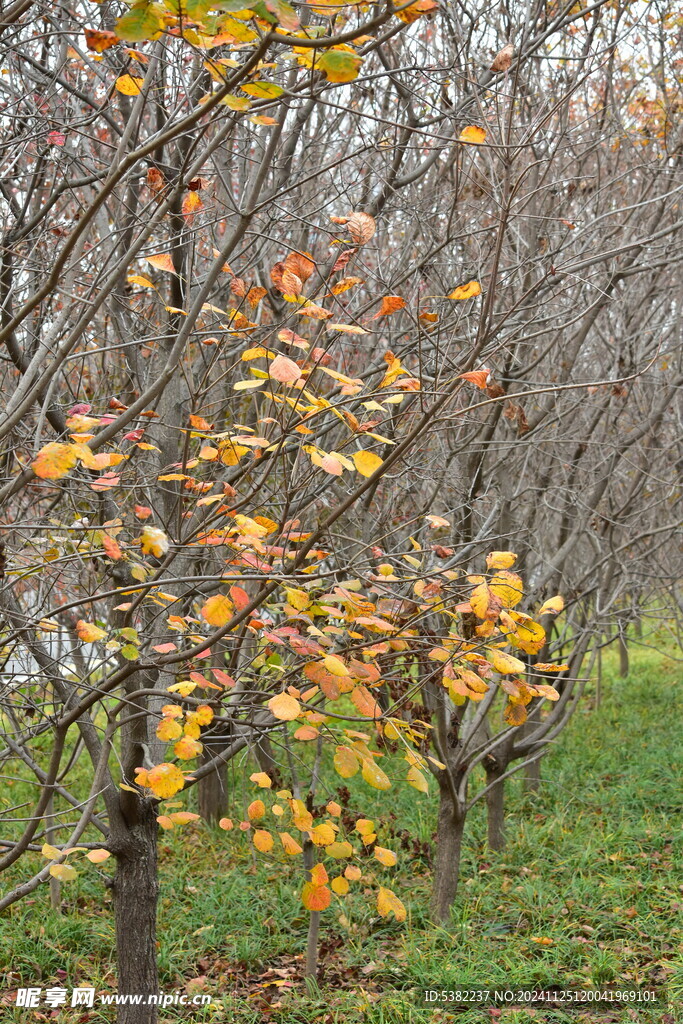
588, 892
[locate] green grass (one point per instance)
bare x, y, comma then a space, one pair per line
593, 863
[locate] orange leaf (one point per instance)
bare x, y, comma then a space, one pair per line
262, 840
99, 40
284, 370
466, 291
315, 897
54, 461
217, 611
162, 261
284, 707
477, 377
472, 134
129, 86
390, 304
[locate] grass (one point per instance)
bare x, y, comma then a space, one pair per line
593, 867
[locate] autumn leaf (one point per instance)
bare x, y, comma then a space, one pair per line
88, 632
500, 559
390, 304
515, 714
54, 460
187, 748
261, 779
98, 856
165, 780
217, 611
335, 665
143, 21
315, 897
262, 840
466, 291
386, 857
256, 810
366, 704
553, 605
549, 667
284, 370
154, 542
361, 227
129, 86
389, 903
366, 462
478, 377
169, 729
162, 261
284, 707
192, 204
374, 776
505, 664
289, 844
340, 64
63, 872
346, 762
503, 59
472, 134
339, 885
99, 39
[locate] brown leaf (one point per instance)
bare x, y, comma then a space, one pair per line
503, 59
361, 227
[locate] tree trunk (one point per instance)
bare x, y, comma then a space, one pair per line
212, 791
495, 809
136, 889
311, 968
623, 657
449, 833
532, 776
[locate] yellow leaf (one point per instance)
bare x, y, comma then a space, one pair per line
506, 664
386, 857
322, 835
169, 729
51, 852
284, 707
339, 885
466, 291
187, 748
289, 844
335, 665
553, 604
165, 780
340, 64
54, 460
338, 850
507, 587
500, 559
154, 542
298, 599
262, 840
389, 903
549, 667
472, 134
129, 86
346, 762
64, 872
374, 776
549, 692
261, 779
417, 780
217, 611
515, 714
143, 282
366, 462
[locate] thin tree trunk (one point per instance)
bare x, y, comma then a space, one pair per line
135, 890
449, 833
495, 809
50, 837
311, 968
623, 656
532, 777
212, 792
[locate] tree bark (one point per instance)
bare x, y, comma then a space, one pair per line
623, 657
136, 890
495, 809
212, 792
449, 832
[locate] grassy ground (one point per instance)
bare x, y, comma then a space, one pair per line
593, 868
